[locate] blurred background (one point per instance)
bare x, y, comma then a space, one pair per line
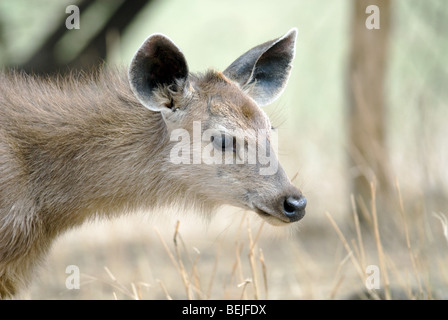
362, 125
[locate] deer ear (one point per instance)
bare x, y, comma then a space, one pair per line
264, 70
158, 69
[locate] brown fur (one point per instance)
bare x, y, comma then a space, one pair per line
84, 147
64, 147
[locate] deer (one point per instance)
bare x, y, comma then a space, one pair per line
89, 146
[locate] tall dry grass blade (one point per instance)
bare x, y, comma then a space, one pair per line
238, 248
175, 263
195, 283
113, 283
212, 277
141, 284
265, 275
195, 274
252, 261
135, 292
116, 284
339, 277
244, 285
241, 225
402, 279
239, 265
168, 251
336, 287
110, 274
381, 256
237, 269
341, 236
355, 262
295, 176
412, 255
162, 285
357, 253
402, 214
182, 270
444, 221
257, 236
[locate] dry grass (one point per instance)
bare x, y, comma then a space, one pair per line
239, 257
412, 278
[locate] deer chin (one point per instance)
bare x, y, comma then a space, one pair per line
271, 218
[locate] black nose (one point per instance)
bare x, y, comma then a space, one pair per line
294, 208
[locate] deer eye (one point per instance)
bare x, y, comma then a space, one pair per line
223, 142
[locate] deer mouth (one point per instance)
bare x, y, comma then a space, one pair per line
271, 218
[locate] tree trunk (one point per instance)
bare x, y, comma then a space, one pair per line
367, 67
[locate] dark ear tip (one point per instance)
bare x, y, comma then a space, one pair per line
291, 35
293, 32
163, 39
289, 41
157, 40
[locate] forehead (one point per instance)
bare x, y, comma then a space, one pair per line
228, 103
